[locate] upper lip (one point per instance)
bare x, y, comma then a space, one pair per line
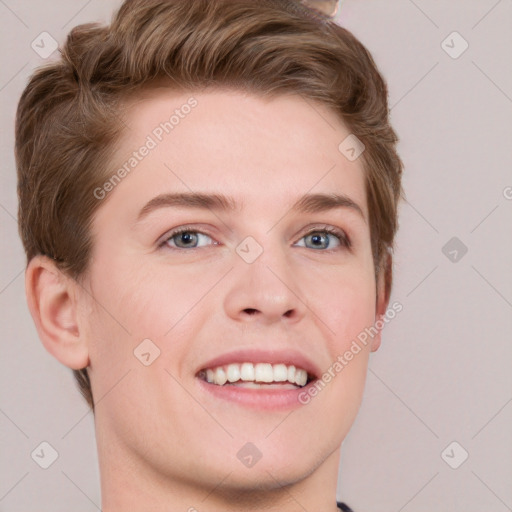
285, 356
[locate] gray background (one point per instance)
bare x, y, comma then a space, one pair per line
443, 372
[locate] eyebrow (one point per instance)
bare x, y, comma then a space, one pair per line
309, 203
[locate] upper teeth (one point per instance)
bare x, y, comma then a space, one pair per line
260, 372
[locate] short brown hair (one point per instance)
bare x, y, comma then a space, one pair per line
67, 127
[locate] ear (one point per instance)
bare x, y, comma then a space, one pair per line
52, 301
384, 281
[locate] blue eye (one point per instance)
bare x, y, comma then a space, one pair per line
320, 238
185, 238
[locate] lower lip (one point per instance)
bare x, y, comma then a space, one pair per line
269, 399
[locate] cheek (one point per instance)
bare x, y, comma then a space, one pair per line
143, 297
348, 305
343, 300
135, 301
352, 313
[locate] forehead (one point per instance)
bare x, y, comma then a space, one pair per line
240, 144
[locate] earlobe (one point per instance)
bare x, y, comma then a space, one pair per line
52, 301
383, 294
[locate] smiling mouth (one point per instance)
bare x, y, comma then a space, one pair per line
257, 376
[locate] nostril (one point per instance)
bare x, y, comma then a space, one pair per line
250, 311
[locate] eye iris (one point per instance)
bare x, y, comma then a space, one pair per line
186, 238
317, 239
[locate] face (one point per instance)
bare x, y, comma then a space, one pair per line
269, 269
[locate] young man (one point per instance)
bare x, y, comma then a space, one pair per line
208, 202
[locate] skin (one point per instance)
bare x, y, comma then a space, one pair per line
163, 443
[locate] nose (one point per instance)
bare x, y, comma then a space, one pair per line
264, 291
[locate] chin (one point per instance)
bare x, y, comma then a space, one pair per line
266, 477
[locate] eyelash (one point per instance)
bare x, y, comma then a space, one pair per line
338, 233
